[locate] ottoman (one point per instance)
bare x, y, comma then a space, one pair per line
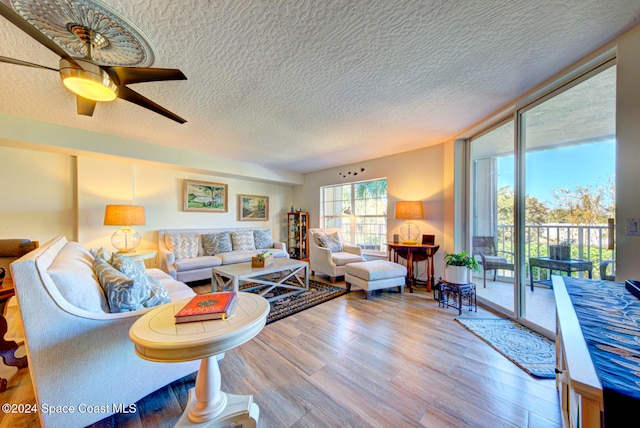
374, 275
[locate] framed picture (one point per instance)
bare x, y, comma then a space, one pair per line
253, 208
204, 197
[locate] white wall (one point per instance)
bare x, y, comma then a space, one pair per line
43, 189
628, 153
414, 175
37, 198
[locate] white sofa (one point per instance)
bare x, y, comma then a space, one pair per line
197, 266
80, 354
332, 263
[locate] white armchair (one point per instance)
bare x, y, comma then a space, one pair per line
331, 259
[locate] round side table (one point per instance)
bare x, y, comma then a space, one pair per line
157, 337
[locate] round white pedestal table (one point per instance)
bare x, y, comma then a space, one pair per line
157, 337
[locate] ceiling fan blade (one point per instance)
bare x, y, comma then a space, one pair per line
19, 22
134, 97
85, 106
128, 75
25, 63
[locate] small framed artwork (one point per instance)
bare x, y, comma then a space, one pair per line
253, 208
204, 196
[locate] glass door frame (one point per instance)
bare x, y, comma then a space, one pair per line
569, 80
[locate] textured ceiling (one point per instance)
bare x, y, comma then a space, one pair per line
306, 85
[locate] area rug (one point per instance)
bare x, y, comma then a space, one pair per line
532, 352
318, 293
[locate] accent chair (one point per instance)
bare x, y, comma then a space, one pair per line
329, 254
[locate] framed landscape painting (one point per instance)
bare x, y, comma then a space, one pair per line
253, 208
204, 197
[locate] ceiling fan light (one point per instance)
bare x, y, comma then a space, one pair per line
89, 82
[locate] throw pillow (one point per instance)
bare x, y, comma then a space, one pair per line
158, 294
243, 240
185, 247
216, 243
262, 239
333, 242
102, 253
152, 292
123, 294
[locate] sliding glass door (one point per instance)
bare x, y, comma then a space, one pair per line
569, 147
492, 171
542, 193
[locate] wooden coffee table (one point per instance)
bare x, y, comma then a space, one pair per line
157, 337
229, 277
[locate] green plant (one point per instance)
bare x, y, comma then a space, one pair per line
461, 259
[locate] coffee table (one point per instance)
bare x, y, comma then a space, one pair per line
157, 337
229, 277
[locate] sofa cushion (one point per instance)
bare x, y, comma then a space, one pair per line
243, 240
262, 239
215, 243
184, 247
376, 270
123, 293
201, 262
72, 273
177, 290
236, 257
342, 258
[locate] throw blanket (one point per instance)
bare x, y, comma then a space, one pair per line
609, 316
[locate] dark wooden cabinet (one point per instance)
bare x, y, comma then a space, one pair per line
298, 241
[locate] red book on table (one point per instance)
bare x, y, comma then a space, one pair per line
211, 306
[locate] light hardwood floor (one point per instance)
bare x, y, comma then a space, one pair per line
392, 361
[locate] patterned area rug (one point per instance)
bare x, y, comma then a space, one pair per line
318, 293
532, 352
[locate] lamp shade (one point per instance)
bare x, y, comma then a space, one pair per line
124, 215
409, 210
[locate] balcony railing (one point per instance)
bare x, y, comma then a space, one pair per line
588, 242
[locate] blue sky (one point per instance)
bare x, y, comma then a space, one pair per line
563, 168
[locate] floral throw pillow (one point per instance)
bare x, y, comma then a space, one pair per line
123, 294
152, 292
243, 240
158, 294
216, 243
263, 239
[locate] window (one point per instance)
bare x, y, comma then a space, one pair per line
360, 210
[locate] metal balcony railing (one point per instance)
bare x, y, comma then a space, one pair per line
588, 242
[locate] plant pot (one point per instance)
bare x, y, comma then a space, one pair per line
564, 252
457, 274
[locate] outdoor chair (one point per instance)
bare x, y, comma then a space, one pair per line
490, 258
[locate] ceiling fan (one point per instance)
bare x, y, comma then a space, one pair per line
90, 81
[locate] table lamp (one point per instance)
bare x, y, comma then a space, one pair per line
409, 210
125, 239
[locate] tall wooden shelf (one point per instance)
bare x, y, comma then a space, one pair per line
298, 243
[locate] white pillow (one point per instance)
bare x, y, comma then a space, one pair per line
243, 240
185, 247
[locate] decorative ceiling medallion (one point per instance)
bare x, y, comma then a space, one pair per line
120, 42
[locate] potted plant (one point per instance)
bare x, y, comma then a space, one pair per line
458, 266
